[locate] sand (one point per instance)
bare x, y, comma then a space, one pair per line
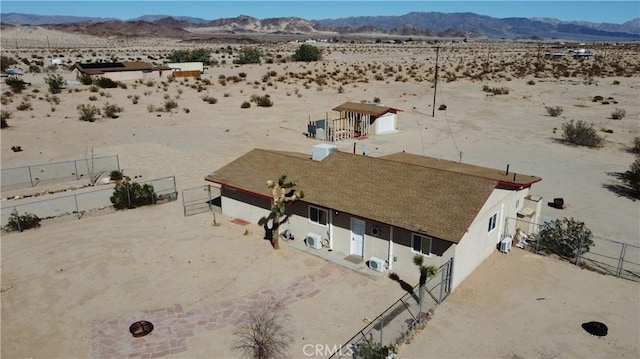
60, 281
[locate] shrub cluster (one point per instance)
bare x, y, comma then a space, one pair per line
496, 90
581, 134
15, 83
565, 237
209, 99
21, 222
131, 195
307, 53
88, 112
111, 110
262, 101
631, 178
56, 83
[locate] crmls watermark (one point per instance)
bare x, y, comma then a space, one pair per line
326, 350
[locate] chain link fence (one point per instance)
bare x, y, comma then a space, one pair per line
89, 169
605, 256
85, 200
396, 323
201, 199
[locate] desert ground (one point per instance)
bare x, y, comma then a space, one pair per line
71, 288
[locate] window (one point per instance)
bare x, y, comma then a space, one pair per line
492, 222
420, 244
517, 205
318, 215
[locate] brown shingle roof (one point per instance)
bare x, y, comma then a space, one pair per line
435, 202
364, 108
505, 179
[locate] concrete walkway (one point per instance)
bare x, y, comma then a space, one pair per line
172, 326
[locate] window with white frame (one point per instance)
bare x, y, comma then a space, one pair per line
492, 222
318, 215
420, 244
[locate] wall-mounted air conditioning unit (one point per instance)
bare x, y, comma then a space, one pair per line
314, 240
376, 264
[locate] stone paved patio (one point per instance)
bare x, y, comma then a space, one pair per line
172, 325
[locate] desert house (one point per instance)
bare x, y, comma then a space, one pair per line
355, 120
386, 209
186, 69
122, 71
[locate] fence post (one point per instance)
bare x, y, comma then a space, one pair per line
621, 260
128, 195
381, 326
118, 162
420, 295
15, 210
75, 198
579, 253
441, 288
210, 199
30, 176
75, 165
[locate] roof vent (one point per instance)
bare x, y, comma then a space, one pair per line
320, 151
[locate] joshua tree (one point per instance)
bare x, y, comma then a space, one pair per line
426, 272
282, 192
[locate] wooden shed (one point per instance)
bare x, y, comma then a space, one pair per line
356, 120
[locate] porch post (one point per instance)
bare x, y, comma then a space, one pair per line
331, 229
390, 257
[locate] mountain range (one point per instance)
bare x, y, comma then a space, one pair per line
428, 24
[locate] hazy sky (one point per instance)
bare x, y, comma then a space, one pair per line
593, 11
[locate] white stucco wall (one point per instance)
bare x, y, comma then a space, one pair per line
478, 244
385, 124
186, 66
237, 209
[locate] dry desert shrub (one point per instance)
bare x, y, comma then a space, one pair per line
554, 111
618, 114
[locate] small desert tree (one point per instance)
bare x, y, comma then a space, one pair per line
581, 134
307, 53
56, 83
15, 83
282, 191
631, 178
4, 116
248, 55
565, 237
201, 55
635, 147
266, 332
426, 272
84, 79
6, 62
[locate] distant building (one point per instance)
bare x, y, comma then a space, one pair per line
122, 71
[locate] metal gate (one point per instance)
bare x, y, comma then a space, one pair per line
201, 199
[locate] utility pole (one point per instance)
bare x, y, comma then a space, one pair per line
435, 85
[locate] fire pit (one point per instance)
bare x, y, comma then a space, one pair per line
596, 328
141, 328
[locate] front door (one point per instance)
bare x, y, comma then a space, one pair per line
357, 237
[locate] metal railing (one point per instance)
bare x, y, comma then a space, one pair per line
78, 204
394, 325
89, 169
599, 254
